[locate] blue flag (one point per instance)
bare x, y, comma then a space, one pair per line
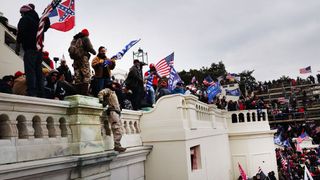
277, 139
208, 81
234, 92
174, 78
149, 83
120, 54
213, 91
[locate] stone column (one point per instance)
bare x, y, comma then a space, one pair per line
84, 122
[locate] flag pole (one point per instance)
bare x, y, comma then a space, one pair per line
75, 18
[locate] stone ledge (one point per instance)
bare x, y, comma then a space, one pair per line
13, 98
34, 168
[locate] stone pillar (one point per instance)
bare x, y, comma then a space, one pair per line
84, 122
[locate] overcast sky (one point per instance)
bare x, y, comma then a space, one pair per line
272, 37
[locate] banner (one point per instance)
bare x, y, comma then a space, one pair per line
174, 78
213, 91
234, 92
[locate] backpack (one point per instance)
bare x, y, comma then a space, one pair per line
76, 49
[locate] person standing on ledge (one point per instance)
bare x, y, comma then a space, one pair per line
81, 45
27, 31
134, 82
108, 97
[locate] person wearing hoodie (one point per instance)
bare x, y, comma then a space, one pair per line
27, 32
82, 73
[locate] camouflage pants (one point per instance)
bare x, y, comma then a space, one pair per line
116, 127
82, 70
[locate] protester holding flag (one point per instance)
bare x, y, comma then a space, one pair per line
102, 67
152, 77
27, 33
81, 64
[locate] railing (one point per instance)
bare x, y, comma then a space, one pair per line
178, 115
35, 128
247, 120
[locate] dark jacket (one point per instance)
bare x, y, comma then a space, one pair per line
5, 87
27, 30
134, 79
66, 72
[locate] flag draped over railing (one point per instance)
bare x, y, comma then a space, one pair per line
45, 15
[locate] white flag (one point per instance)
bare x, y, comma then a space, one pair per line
307, 175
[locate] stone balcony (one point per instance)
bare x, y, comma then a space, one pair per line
35, 128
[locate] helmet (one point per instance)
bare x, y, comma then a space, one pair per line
151, 65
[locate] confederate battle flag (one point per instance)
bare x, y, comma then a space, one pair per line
62, 18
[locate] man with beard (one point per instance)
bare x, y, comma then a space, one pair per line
102, 67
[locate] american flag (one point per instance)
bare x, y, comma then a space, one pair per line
164, 65
242, 173
305, 70
45, 15
208, 81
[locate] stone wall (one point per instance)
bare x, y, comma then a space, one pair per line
71, 139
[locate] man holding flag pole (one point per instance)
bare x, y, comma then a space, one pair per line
30, 34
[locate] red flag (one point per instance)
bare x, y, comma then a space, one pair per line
242, 172
62, 18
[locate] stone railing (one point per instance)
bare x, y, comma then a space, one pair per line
182, 114
247, 120
35, 128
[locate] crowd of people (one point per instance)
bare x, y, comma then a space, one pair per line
290, 158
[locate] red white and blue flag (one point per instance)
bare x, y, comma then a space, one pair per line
305, 70
62, 18
47, 11
208, 81
163, 67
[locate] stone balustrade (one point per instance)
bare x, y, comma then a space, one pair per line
247, 120
36, 128
182, 115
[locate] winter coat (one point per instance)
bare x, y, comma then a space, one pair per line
27, 30
134, 79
